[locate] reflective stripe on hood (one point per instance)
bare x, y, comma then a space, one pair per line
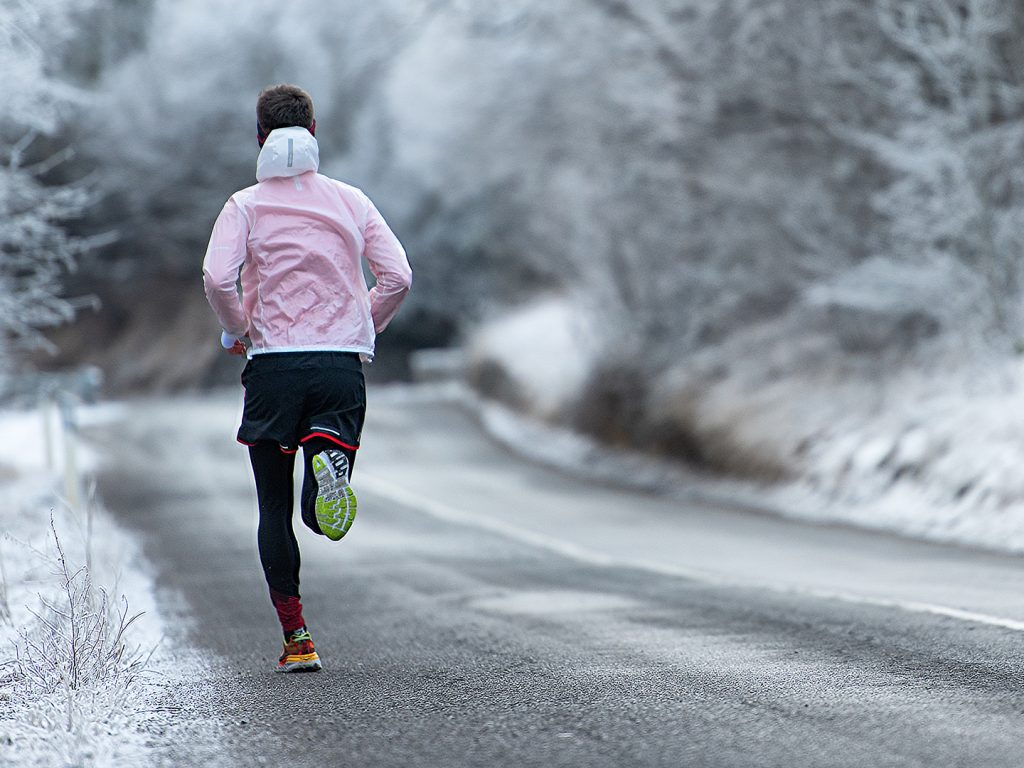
287, 152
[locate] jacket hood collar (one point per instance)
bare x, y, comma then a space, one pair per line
287, 152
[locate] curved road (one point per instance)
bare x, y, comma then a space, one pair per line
485, 611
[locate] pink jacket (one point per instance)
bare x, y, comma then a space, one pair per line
298, 238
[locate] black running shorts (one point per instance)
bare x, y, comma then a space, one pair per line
292, 397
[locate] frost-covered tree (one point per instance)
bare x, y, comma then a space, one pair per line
691, 171
35, 250
184, 136
911, 113
953, 85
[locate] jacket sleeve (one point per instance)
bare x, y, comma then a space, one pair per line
224, 256
389, 266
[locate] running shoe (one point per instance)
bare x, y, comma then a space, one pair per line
335, 499
299, 655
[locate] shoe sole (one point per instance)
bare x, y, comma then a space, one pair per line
335, 499
300, 665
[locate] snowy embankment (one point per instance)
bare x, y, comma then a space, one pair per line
938, 459
934, 457
78, 621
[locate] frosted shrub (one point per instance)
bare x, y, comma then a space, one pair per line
70, 679
79, 642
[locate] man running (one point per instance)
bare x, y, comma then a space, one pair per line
306, 320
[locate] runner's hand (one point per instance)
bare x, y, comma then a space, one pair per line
232, 345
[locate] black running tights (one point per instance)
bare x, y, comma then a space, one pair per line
273, 470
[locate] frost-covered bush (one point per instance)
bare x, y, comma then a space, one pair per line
71, 666
79, 641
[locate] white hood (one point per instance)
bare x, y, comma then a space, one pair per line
287, 152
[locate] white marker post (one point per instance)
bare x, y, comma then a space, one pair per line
72, 489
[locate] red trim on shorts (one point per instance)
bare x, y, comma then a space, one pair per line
332, 438
244, 443
285, 450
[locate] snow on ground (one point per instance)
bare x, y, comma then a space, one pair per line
940, 460
45, 718
933, 457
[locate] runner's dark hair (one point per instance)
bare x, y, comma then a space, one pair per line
284, 106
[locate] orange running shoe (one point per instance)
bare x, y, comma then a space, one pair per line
299, 655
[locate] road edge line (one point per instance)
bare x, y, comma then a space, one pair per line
416, 502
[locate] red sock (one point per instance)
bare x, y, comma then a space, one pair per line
289, 611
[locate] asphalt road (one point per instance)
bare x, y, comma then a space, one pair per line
485, 611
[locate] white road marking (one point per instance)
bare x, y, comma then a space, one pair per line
418, 502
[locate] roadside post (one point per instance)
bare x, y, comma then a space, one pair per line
61, 393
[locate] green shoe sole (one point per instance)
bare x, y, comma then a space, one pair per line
335, 499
